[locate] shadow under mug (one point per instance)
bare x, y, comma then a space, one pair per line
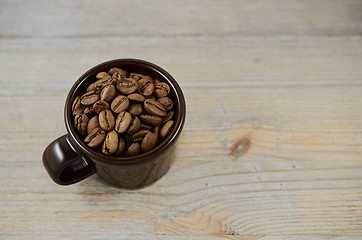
69, 160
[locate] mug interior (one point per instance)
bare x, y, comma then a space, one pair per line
131, 66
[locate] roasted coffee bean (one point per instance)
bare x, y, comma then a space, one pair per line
166, 102
145, 86
121, 145
136, 97
138, 136
144, 113
118, 70
152, 98
151, 120
80, 122
135, 76
135, 109
169, 116
108, 93
106, 120
133, 149
89, 98
154, 108
123, 121
91, 88
101, 75
119, 104
127, 85
118, 76
100, 84
100, 106
139, 76
92, 124
95, 138
89, 111
134, 126
150, 140
77, 107
166, 128
110, 144
147, 127
162, 89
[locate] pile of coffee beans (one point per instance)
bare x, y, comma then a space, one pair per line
124, 114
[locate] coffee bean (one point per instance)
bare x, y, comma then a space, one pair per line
145, 113
118, 70
138, 136
120, 104
89, 111
154, 108
145, 86
162, 89
151, 120
101, 75
150, 140
123, 121
77, 107
169, 116
136, 97
121, 145
147, 127
166, 102
100, 106
80, 122
89, 98
133, 149
106, 120
92, 123
166, 128
127, 85
139, 76
91, 88
134, 126
110, 144
135, 109
152, 98
95, 138
108, 93
118, 76
100, 84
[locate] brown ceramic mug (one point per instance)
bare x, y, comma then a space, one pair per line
69, 160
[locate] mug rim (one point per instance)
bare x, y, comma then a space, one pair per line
123, 160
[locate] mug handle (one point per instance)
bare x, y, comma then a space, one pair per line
66, 164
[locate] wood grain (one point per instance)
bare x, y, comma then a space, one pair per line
271, 148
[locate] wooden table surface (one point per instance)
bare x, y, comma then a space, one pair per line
272, 144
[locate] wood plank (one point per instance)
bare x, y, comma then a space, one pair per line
94, 19
237, 66
303, 170
271, 147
